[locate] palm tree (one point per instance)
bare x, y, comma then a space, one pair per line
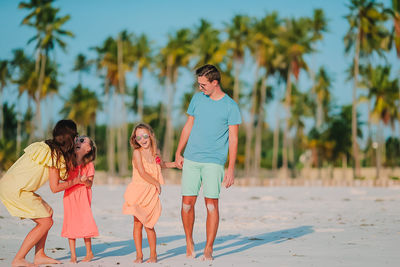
18, 64
5, 76
107, 65
295, 41
384, 92
48, 25
81, 65
318, 27
238, 32
207, 45
175, 55
261, 41
321, 89
124, 65
396, 22
142, 54
367, 34
81, 106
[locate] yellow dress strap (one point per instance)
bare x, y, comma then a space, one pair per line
40, 153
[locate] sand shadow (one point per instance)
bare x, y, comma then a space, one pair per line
119, 248
248, 242
241, 243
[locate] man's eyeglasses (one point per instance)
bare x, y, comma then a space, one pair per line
202, 86
140, 137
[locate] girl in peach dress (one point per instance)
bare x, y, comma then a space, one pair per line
142, 194
78, 217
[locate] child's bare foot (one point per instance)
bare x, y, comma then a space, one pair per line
207, 256
190, 250
152, 259
43, 259
21, 262
88, 257
73, 260
138, 260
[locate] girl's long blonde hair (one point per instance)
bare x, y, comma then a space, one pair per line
135, 144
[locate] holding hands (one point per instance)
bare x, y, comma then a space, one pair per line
179, 161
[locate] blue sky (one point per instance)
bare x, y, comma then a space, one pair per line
92, 21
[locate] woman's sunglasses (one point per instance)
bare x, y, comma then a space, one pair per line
140, 137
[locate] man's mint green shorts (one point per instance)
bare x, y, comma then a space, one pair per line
196, 173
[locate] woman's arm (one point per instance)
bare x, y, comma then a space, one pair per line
137, 161
54, 181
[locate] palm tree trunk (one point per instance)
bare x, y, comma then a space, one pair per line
109, 129
168, 137
344, 165
236, 82
259, 128
285, 132
111, 150
250, 125
1, 114
140, 99
93, 128
320, 113
122, 133
19, 138
39, 129
276, 144
356, 167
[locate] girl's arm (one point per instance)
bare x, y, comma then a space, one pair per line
54, 181
88, 181
137, 161
164, 164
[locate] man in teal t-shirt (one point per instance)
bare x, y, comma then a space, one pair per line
209, 132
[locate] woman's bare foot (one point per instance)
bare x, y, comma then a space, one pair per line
152, 259
73, 260
88, 257
190, 251
21, 262
43, 259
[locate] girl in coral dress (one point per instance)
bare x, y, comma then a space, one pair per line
78, 217
142, 194
42, 161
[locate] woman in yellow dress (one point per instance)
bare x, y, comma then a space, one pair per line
42, 161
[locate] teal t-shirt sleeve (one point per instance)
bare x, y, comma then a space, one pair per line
234, 116
192, 105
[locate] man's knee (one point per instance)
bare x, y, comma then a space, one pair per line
210, 207
186, 207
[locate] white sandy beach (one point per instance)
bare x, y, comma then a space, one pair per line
260, 226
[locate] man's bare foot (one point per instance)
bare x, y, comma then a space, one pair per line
152, 260
207, 256
73, 260
190, 250
45, 260
21, 262
88, 257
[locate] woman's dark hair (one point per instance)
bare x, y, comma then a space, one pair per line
91, 155
63, 143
